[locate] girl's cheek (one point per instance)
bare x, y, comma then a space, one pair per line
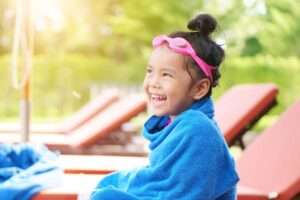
145, 84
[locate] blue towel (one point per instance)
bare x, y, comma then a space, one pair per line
189, 160
26, 169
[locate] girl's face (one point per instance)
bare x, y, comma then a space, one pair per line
167, 83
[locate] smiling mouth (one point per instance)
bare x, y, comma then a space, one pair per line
158, 100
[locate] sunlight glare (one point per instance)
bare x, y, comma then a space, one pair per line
48, 15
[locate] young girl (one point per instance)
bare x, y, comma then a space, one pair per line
189, 158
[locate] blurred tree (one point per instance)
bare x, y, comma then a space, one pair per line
269, 27
280, 31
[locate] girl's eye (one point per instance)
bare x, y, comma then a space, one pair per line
149, 71
167, 75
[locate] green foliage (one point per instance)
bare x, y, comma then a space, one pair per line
281, 29
273, 26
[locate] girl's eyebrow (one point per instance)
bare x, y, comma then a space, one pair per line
168, 69
163, 68
149, 66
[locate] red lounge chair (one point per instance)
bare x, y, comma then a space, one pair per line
269, 168
239, 108
95, 129
80, 117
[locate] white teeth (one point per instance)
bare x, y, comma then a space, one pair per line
158, 100
158, 97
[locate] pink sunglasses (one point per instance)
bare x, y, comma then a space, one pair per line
182, 46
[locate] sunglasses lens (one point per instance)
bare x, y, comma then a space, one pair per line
179, 42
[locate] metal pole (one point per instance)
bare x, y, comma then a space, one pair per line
25, 92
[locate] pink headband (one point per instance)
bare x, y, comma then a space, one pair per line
180, 45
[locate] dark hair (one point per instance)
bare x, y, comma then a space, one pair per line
202, 26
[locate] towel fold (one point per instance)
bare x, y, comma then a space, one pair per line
26, 169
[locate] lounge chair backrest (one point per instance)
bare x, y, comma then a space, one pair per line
108, 120
88, 111
241, 106
272, 161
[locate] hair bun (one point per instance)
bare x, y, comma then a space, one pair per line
204, 23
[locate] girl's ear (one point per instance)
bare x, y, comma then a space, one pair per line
200, 88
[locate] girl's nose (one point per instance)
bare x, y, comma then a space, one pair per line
154, 82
